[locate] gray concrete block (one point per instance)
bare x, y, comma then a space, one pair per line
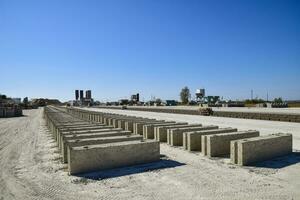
169, 130
91, 141
176, 136
95, 134
148, 130
87, 128
138, 126
121, 124
160, 133
257, 149
83, 132
129, 124
107, 156
219, 144
193, 139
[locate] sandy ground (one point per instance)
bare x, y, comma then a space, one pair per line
31, 169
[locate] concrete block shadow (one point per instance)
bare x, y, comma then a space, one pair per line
136, 169
280, 162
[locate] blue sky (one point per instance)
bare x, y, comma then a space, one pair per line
116, 48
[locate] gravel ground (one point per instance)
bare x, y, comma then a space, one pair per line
31, 169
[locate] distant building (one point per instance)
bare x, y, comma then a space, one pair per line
123, 102
83, 101
135, 98
16, 100
88, 94
171, 103
213, 99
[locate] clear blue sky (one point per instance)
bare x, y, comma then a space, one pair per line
49, 48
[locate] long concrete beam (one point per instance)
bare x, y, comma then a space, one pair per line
192, 140
148, 130
160, 133
251, 150
175, 136
97, 140
106, 156
90, 135
219, 144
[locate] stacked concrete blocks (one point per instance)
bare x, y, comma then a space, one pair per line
210, 140
95, 133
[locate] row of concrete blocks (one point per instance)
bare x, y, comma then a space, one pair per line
87, 146
210, 140
10, 112
244, 147
247, 115
262, 116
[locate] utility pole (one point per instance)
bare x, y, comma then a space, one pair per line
251, 94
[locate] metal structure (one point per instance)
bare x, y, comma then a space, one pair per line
200, 94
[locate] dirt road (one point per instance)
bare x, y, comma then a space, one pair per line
31, 169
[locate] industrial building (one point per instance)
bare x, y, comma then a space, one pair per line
80, 100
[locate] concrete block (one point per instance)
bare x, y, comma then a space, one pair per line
107, 156
160, 133
138, 126
148, 130
65, 133
176, 135
129, 124
182, 129
85, 128
92, 141
219, 144
78, 128
193, 139
257, 149
121, 124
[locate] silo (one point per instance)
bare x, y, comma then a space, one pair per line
88, 94
76, 94
81, 94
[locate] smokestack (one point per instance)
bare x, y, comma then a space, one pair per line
76, 94
81, 94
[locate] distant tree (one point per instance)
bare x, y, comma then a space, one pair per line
278, 100
185, 95
158, 101
3, 96
254, 101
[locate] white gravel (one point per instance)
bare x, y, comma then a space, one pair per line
31, 169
